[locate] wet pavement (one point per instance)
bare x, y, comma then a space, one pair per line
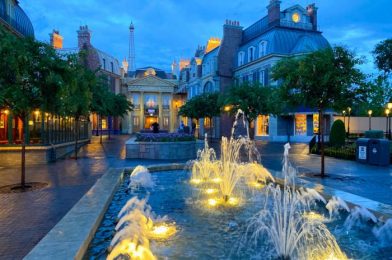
25, 218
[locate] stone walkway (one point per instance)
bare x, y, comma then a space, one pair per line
368, 181
25, 218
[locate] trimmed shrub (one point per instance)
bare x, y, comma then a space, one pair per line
375, 134
337, 137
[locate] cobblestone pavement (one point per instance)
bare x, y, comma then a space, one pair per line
26, 217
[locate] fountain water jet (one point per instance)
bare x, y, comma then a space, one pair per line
288, 222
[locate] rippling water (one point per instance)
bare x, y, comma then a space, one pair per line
206, 233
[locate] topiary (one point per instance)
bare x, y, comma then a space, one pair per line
338, 134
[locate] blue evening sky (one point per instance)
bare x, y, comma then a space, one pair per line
172, 29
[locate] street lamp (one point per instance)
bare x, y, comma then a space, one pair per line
370, 112
348, 126
387, 111
344, 119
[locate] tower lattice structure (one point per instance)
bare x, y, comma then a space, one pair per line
131, 57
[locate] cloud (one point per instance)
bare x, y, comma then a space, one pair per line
171, 29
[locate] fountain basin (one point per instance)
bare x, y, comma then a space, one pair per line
174, 197
162, 150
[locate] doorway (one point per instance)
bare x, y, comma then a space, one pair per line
149, 121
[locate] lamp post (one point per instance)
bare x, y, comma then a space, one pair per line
370, 112
389, 118
348, 124
387, 111
344, 119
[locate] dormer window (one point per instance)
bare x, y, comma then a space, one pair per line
251, 54
241, 58
262, 49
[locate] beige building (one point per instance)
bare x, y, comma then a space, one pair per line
151, 91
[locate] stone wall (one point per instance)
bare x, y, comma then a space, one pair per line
11, 156
163, 150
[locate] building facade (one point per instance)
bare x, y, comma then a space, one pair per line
96, 60
152, 92
248, 54
15, 19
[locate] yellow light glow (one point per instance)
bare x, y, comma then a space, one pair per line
370, 112
256, 185
213, 202
387, 111
36, 112
227, 108
389, 106
232, 201
162, 231
133, 249
313, 216
216, 180
296, 18
196, 181
211, 191
6, 111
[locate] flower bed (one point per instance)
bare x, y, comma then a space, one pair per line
164, 137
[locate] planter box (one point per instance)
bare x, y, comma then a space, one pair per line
11, 155
163, 150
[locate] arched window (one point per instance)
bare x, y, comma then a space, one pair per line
208, 87
241, 58
251, 53
262, 49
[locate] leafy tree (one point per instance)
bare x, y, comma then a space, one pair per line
253, 99
383, 56
323, 79
118, 105
25, 74
206, 105
77, 95
101, 100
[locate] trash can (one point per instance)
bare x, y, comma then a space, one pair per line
379, 153
362, 150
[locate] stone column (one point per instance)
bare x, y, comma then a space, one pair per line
160, 118
141, 121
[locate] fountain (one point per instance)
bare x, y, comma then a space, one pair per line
287, 220
141, 177
230, 170
137, 224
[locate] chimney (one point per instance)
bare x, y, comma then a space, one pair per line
84, 37
312, 12
274, 12
56, 40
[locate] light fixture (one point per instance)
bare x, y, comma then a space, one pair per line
370, 112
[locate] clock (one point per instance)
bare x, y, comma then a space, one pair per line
296, 17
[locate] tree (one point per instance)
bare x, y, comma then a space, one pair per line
253, 99
25, 73
205, 105
77, 96
338, 134
101, 100
323, 79
383, 56
119, 105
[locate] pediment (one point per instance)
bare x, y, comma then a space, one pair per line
152, 81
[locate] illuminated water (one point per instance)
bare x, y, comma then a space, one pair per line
218, 233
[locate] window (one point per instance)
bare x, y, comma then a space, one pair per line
251, 54
262, 125
112, 67
135, 99
262, 49
315, 123
208, 87
262, 77
104, 64
300, 124
166, 122
241, 58
136, 121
